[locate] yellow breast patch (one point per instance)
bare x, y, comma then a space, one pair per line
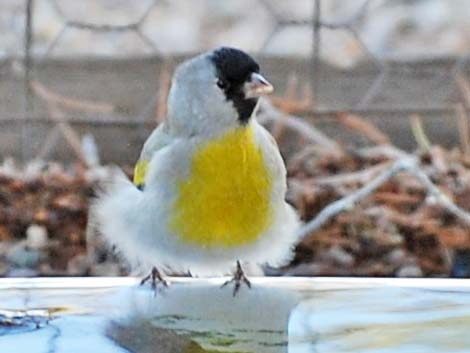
225, 201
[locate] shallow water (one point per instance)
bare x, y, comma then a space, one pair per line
294, 315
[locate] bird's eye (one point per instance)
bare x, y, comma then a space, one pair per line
221, 84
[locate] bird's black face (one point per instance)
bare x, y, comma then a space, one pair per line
238, 77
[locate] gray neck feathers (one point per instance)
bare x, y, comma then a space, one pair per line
196, 106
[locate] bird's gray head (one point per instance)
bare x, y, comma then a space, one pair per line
214, 92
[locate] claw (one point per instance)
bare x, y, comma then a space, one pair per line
155, 278
238, 278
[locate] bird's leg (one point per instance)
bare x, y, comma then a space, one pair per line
238, 278
155, 278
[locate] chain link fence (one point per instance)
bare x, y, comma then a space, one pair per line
108, 63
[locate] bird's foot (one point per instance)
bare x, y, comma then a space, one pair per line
155, 278
238, 279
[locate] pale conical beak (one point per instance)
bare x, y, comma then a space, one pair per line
257, 86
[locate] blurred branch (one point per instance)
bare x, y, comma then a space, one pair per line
441, 198
408, 164
53, 102
49, 142
381, 152
357, 123
68, 132
291, 102
375, 87
268, 113
349, 201
462, 123
163, 90
464, 87
418, 132
70, 103
360, 176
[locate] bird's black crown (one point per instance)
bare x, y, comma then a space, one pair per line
234, 68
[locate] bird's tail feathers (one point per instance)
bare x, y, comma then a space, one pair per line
113, 209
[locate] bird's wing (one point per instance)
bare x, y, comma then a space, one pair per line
159, 138
271, 154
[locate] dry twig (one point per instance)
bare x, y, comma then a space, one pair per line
356, 123
464, 88
380, 152
349, 201
53, 102
360, 176
269, 113
440, 197
68, 132
70, 103
462, 122
409, 164
163, 91
418, 132
292, 105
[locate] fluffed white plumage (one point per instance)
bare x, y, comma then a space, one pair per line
137, 222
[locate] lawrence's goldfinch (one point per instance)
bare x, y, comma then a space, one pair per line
210, 182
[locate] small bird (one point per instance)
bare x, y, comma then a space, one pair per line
209, 186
